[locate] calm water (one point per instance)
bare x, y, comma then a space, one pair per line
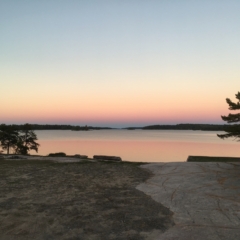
137, 145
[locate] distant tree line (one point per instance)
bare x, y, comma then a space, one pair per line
202, 127
56, 127
79, 128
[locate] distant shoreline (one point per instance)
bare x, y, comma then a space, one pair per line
183, 126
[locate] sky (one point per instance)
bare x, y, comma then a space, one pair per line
118, 62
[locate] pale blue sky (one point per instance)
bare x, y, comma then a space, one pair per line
115, 55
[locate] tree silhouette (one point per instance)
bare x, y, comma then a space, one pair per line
26, 141
21, 141
8, 137
232, 130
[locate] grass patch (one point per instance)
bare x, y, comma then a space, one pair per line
84, 200
20, 162
28, 161
118, 162
212, 159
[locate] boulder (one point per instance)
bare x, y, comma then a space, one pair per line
59, 154
108, 158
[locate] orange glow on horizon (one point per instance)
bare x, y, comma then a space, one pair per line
91, 109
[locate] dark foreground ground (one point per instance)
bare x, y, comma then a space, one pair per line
85, 200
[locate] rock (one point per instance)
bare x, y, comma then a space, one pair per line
108, 158
59, 154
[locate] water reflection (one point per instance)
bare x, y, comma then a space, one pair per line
138, 145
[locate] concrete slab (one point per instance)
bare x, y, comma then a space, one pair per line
204, 197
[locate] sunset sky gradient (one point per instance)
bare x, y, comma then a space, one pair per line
118, 63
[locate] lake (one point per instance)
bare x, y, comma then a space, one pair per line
137, 145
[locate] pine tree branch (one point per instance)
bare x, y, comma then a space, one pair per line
238, 96
231, 118
232, 105
231, 131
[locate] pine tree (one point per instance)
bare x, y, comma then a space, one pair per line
232, 130
20, 141
27, 140
9, 137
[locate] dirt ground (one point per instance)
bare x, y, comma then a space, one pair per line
84, 200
